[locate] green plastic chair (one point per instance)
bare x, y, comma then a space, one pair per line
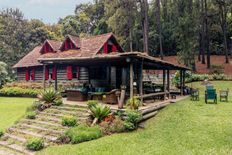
195, 95
209, 87
210, 94
224, 95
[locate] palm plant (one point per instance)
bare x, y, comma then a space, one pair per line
133, 103
99, 112
49, 96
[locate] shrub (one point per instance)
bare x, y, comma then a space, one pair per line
35, 144
115, 126
31, 115
58, 102
37, 105
49, 96
25, 85
133, 117
218, 77
133, 103
216, 69
83, 133
69, 121
99, 112
1, 133
92, 103
20, 92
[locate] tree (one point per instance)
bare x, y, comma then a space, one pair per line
3, 73
159, 28
144, 19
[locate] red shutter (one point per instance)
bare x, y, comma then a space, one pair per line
33, 74
71, 45
66, 45
78, 72
46, 73
69, 72
105, 48
114, 48
54, 73
27, 76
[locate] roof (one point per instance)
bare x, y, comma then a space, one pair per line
55, 44
89, 47
139, 55
30, 59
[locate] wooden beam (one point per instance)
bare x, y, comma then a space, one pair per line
55, 84
181, 82
131, 79
168, 82
164, 80
141, 82
44, 68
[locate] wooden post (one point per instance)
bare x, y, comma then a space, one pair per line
181, 82
131, 79
141, 82
164, 80
168, 82
55, 84
44, 68
183, 87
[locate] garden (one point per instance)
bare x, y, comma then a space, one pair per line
186, 127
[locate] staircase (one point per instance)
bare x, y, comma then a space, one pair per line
47, 125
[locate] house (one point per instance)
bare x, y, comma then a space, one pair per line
98, 61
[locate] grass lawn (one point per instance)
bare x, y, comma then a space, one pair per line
185, 128
11, 109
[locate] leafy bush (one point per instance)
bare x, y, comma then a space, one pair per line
20, 92
99, 112
31, 115
92, 103
58, 102
132, 119
83, 133
133, 103
115, 126
69, 121
37, 105
35, 144
1, 133
49, 96
25, 85
218, 77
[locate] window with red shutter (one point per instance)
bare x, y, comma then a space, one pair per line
33, 74
27, 75
114, 48
105, 48
46, 73
78, 72
69, 72
54, 73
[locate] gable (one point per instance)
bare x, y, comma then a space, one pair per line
111, 46
68, 44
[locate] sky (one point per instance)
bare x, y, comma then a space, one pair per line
49, 11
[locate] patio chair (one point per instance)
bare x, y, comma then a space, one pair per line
195, 95
111, 97
210, 94
209, 87
224, 95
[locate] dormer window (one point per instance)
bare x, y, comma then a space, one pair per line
46, 48
67, 45
109, 47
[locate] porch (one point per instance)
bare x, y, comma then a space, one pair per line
122, 73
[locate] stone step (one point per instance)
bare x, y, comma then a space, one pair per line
65, 112
7, 152
77, 105
15, 137
46, 118
67, 108
46, 137
17, 148
61, 115
34, 121
40, 128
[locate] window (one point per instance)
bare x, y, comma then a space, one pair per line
98, 73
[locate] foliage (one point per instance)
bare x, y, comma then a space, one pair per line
58, 102
49, 96
3, 73
24, 85
99, 112
19, 92
133, 103
35, 144
31, 115
114, 126
69, 121
132, 119
92, 103
36, 105
1, 133
83, 133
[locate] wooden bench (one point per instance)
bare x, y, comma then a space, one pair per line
159, 94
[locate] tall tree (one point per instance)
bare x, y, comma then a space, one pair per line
159, 28
144, 15
207, 33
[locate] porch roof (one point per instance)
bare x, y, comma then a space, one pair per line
148, 61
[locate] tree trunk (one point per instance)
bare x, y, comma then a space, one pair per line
159, 28
144, 12
207, 35
203, 32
